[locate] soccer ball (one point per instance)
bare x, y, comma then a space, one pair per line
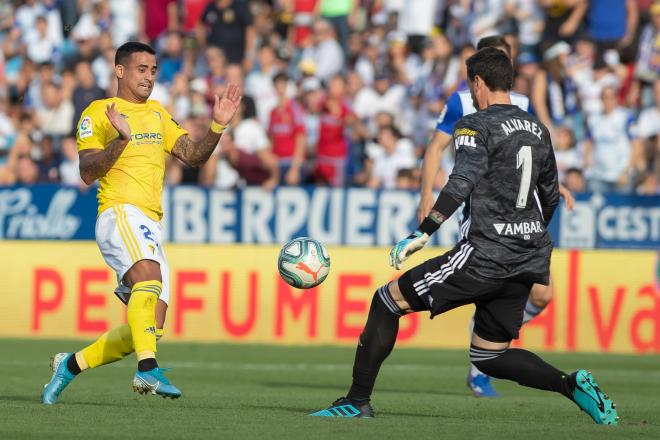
303, 263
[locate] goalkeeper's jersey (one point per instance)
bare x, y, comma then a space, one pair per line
506, 173
137, 176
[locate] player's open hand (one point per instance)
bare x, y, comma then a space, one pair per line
118, 121
224, 108
406, 247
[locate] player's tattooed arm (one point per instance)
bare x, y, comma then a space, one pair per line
196, 153
94, 163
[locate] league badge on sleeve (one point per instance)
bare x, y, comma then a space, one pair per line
85, 129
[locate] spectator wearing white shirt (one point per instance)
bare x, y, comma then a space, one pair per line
611, 151
326, 53
391, 154
56, 116
259, 84
382, 97
40, 47
416, 21
246, 149
566, 154
27, 14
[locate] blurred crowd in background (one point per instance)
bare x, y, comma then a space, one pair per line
336, 92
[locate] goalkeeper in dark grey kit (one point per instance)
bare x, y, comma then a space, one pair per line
506, 174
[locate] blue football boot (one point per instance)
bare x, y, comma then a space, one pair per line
61, 378
155, 382
592, 400
480, 385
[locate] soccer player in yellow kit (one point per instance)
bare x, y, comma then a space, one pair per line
123, 142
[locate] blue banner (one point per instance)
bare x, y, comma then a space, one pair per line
351, 216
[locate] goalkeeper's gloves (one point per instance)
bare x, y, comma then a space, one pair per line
406, 247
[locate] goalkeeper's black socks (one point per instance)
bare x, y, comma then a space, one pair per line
375, 344
524, 367
72, 365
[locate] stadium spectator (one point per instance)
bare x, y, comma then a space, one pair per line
612, 23
340, 14
302, 12
326, 53
69, 171
248, 150
647, 66
566, 154
332, 151
85, 91
563, 18
259, 83
49, 161
227, 24
286, 131
554, 96
574, 181
170, 61
415, 20
27, 171
611, 151
391, 153
158, 17
56, 116
398, 64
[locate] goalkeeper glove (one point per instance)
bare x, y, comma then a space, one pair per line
406, 247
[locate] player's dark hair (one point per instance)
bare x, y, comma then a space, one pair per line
496, 41
127, 49
493, 66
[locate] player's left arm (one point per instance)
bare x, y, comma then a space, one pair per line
196, 153
547, 184
470, 138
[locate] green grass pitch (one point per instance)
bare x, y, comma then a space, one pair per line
265, 392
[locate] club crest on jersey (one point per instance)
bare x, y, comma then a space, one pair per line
85, 129
158, 114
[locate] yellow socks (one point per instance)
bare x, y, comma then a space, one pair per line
110, 347
141, 315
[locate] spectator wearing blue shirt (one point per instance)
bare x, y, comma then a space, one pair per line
612, 23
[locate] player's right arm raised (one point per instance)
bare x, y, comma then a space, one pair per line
95, 162
196, 153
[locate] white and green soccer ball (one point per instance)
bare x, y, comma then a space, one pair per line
303, 263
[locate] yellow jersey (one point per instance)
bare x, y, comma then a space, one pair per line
137, 176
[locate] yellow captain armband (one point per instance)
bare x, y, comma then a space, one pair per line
217, 128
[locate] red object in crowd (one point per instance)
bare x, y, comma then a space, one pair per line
303, 18
286, 122
332, 148
192, 13
155, 17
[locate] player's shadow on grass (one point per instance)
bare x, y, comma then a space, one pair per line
306, 411
37, 400
342, 388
